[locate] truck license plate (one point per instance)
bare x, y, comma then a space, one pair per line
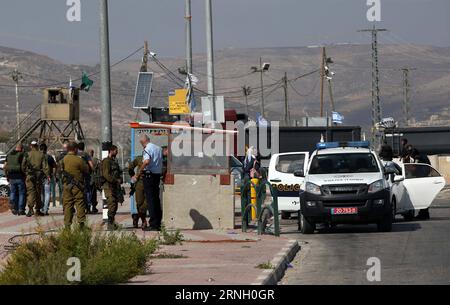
344, 211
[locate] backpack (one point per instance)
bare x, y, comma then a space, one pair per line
98, 178
14, 162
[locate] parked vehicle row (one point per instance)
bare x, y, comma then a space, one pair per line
347, 183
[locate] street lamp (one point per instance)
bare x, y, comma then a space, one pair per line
263, 67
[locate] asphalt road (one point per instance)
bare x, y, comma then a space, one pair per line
416, 252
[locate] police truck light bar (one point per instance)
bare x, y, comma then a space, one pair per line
356, 144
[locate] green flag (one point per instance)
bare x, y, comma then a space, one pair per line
86, 82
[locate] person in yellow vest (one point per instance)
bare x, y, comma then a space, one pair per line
37, 170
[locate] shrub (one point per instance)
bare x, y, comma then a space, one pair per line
105, 258
170, 238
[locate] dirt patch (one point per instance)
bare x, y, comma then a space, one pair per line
4, 205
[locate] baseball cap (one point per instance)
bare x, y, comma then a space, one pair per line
34, 143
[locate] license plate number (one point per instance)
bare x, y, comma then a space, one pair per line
344, 211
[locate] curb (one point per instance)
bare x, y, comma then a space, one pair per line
280, 263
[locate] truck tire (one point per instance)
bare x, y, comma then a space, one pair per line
306, 227
409, 216
394, 208
385, 225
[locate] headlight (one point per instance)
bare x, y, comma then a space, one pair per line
376, 186
312, 188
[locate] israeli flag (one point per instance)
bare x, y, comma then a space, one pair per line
261, 121
338, 118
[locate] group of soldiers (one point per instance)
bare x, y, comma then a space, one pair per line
79, 183
80, 177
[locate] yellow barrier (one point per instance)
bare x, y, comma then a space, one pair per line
254, 183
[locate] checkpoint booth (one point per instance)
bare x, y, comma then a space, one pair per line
197, 189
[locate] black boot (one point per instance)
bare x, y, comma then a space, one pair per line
143, 218
135, 220
112, 226
30, 213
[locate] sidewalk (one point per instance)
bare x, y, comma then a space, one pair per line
204, 258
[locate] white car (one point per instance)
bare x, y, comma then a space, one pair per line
4, 185
282, 168
414, 187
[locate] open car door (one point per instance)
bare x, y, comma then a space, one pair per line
281, 175
421, 186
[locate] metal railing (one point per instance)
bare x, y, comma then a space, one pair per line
264, 212
25, 127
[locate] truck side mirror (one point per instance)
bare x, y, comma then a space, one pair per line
390, 169
299, 173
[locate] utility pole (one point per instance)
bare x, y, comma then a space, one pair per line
330, 91
406, 96
188, 18
287, 116
210, 58
261, 69
376, 106
322, 79
105, 94
144, 66
247, 91
262, 89
105, 76
16, 76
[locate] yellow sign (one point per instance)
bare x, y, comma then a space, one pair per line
178, 104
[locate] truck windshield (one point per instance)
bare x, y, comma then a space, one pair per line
343, 164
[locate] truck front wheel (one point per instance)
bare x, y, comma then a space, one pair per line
306, 227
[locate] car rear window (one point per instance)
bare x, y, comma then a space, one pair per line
343, 164
289, 164
413, 171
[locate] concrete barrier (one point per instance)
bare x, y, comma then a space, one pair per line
199, 203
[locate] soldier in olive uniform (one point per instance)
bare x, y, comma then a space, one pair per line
139, 192
112, 175
73, 172
36, 167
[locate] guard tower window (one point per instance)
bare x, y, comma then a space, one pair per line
55, 97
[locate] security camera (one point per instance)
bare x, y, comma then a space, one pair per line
266, 66
152, 54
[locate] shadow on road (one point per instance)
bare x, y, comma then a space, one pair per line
289, 227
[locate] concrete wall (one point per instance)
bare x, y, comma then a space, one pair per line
198, 202
442, 164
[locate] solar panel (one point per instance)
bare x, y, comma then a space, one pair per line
143, 90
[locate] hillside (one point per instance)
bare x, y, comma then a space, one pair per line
352, 83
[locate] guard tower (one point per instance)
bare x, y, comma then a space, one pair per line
60, 115
57, 121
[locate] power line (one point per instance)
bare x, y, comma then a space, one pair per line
78, 79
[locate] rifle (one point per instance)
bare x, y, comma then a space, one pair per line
71, 181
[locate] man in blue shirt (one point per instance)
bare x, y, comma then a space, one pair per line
151, 171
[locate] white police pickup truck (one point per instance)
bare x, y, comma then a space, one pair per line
345, 183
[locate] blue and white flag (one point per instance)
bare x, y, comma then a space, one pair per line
261, 121
338, 118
